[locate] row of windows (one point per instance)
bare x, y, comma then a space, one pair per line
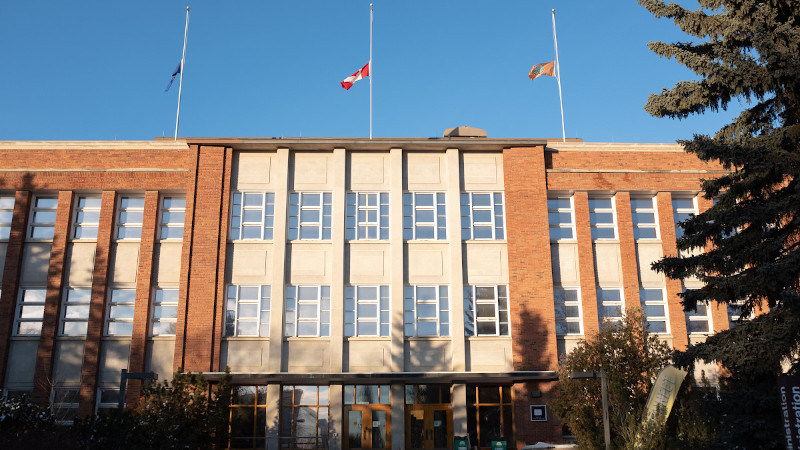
86, 217
603, 217
367, 216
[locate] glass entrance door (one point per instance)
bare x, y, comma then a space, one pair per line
429, 427
367, 426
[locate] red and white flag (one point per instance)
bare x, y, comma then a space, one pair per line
348, 82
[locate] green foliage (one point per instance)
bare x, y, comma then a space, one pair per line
742, 50
631, 358
23, 421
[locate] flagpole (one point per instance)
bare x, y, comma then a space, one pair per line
180, 82
370, 71
558, 77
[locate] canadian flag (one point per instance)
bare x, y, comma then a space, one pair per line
348, 82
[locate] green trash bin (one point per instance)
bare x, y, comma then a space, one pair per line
461, 443
499, 445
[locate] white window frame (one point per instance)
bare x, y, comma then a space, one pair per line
693, 316
298, 205
497, 213
33, 305
594, 213
265, 211
112, 304
412, 210
59, 406
72, 308
662, 302
734, 315
259, 302
6, 210
80, 222
500, 318
682, 211
411, 307
653, 209
359, 202
166, 214
321, 306
129, 224
555, 211
561, 305
355, 304
33, 224
100, 404
610, 303
165, 310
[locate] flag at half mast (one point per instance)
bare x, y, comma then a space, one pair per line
348, 82
540, 69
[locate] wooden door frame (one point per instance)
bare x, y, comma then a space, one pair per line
367, 408
429, 407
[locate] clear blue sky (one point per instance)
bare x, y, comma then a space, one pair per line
96, 70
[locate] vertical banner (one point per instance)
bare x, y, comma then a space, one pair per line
664, 392
789, 387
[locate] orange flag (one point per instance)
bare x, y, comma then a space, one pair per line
540, 69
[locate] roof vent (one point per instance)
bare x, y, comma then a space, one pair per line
468, 132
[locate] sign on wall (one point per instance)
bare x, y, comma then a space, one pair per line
789, 388
538, 413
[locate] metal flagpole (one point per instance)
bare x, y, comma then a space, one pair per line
370, 71
558, 77
180, 82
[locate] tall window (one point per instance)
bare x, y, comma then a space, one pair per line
247, 310
560, 214
164, 320
310, 215
735, 313
645, 218
173, 215
75, 311
43, 218
682, 209
119, 313
248, 417
129, 218
482, 215
602, 218
304, 417
87, 217
64, 402
610, 305
426, 311
654, 306
699, 320
366, 311
485, 310
30, 312
489, 416
308, 311
567, 304
424, 216
252, 215
6, 216
367, 216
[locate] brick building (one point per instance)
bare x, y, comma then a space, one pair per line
394, 292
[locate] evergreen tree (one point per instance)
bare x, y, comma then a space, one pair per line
743, 50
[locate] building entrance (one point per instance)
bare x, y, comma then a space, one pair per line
367, 417
429, 427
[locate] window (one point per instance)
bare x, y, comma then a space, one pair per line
367, 216
43, 218
107, 400
252, 215
165, 312
247, 310
6, 216
310, 215
119, 315
64, 402
645, 218
426, 311
173, 215
248, 417
561, 216
308, 311
485, 310
129, 218
567, 304
366, 311
482, 215
304, 417
30, 312
735, 313
699, 320
87, 217
421, 394
610, 305
75, 311
424, 216
602, 218
489, 416
682, 209
370, 394
654, 307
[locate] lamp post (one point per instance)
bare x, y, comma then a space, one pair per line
604, 399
